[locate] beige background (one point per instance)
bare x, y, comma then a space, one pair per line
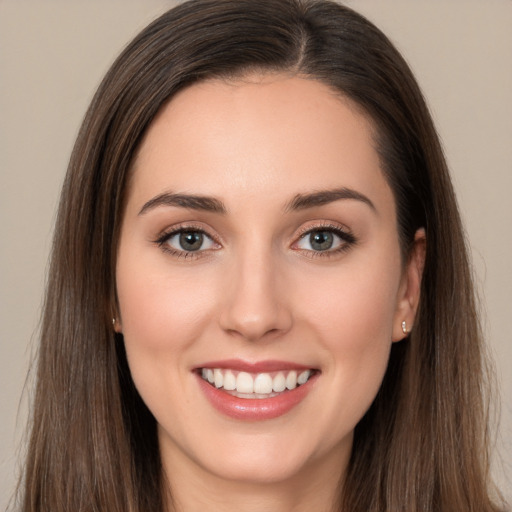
52, 56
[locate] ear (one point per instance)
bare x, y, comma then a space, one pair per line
113, 307
409, 292
116, 319
117, 325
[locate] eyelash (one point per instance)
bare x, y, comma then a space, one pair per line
347, 240
162, 240
346, 237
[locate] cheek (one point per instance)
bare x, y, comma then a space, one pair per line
355, 328
352, 316
354, 305
163, 313
159, 307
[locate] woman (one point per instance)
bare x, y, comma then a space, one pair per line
257, 261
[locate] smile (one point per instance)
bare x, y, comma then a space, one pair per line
255, 391
255, 386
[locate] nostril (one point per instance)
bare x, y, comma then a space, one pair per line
256, 307
255, 323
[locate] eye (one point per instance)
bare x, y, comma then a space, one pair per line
186, 241
325, 240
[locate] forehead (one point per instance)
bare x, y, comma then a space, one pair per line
261, 134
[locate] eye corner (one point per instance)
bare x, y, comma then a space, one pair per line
174, 241
332, 240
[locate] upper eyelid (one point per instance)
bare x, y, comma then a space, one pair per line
345, 234
305, 229
184, 227
323, 225
162, 241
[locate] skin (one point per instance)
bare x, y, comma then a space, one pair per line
259, 290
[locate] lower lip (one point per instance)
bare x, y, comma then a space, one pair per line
255, 409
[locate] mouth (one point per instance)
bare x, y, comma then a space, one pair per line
255, 392
259, 385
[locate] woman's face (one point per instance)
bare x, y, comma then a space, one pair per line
259, 249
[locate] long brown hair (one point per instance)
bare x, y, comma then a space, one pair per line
422, 446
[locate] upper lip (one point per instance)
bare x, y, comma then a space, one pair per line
254, 366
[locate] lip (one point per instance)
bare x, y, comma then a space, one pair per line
253, 367
257, 409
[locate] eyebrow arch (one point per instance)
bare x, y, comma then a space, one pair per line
304, 201
193, 202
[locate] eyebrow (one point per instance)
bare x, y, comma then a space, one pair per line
193, 202
211, 204
305, 201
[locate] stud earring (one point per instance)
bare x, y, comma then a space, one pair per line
404, 328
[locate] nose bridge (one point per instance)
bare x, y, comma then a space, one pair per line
254, 307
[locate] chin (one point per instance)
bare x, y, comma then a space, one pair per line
259, 470
264, 459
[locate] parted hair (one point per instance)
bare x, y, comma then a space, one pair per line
423, 444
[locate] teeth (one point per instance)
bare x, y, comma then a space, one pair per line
263, 383
229, 381
218, 378
279, 383
244, 383
260, 384
291, 380
303, 377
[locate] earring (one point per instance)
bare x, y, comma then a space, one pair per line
404, 328
113, 321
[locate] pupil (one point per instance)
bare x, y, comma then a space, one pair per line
191, 241
321, 240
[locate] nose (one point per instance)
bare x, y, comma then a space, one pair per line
255, 307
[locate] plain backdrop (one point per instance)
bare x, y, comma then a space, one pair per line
53, 54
